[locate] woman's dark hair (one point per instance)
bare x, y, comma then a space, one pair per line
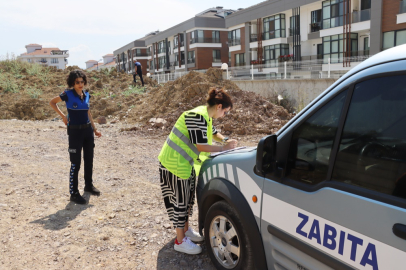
219, 96
73, 75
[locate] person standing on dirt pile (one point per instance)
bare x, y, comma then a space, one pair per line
181, 159
137, 71
80, 130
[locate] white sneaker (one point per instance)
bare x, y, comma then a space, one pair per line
187, 247
193, 235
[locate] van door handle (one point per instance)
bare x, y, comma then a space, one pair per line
399, 230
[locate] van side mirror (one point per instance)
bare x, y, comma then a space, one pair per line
266, 151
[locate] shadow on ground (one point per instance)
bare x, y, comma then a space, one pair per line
61, 219
169, 259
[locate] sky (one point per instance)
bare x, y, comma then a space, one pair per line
90, 29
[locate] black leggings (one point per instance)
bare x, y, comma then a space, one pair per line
78, 139
139, 74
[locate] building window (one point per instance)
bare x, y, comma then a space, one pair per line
234, 37
54, 60
394, 38
162, 46
333, 48
274, 27
162, 62
215, 36
216, 56
240, 59
273, 52
197, 36
182, 57
138, 52
29, 60
294, 23
178, 39
315, 25
190, 57
366, 46
333, 11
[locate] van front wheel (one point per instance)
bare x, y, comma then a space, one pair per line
226, 240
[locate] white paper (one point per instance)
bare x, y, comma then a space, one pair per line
222, 152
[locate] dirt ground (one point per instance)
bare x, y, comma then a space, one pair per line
124, 228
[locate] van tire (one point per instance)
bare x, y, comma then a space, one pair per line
218, 242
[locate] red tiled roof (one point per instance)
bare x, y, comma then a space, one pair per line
33, 44
90, 61
43, 51
110, 64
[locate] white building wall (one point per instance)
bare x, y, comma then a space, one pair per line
32, 48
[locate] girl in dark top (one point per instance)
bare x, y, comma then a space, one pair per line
80, 130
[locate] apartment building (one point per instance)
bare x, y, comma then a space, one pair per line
338, 33
135, 50
331, 34
53, 57
198, 43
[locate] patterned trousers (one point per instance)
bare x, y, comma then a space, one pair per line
178, 195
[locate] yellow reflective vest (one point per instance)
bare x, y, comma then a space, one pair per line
178, 154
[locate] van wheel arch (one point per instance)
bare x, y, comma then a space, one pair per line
220, 189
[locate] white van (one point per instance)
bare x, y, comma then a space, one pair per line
328, 191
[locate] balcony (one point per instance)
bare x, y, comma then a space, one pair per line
239, 64
42, 61
315, 27
181, 45
253, 37
333, 22
59, 52
402, 7
142, 54
191, 61
204, 40
234, 42
161, 50
274, 34
182, 62
216, 60
361, 16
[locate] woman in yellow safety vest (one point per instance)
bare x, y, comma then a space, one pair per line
181, 158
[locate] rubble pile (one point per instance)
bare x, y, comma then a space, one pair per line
251, 114
25, 94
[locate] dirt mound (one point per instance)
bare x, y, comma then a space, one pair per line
252, 114
25, 91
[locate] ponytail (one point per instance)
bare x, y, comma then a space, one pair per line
219, 96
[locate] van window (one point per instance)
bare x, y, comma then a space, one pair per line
372, 151
312, 142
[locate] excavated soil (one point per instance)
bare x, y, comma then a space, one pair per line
115, 97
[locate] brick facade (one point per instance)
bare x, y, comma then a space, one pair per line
242, 34
390, 9
204, 56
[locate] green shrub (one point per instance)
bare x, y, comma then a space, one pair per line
34, 69
34, 92
133, 89
8, 83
